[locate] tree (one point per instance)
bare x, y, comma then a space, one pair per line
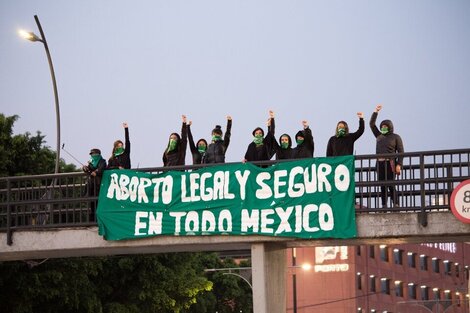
115, 284
24, 154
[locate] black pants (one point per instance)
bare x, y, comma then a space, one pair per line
386, 172
93, 190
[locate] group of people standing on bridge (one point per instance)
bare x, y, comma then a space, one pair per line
263, 147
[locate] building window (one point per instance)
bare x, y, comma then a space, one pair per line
447, 267
385, 285
411, 291
398, 256
412, 259
358, 250
372, 283
447, 295
437, 293
359, 310
457, 270
423, 262
435, 265
398, 288
384, 253
424, 293
359, 281
372, 251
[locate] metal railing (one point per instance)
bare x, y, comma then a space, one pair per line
67, 199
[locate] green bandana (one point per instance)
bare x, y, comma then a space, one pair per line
118, 151
95, 159
341, 132
216, 138
384, 130
201, 149
284, 145
258, 140
299, 141
172, 145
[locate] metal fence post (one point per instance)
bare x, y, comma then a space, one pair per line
422, 215
9, 231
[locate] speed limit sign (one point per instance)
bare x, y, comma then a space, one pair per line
460, 201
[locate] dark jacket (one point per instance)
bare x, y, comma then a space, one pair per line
178, 155
263, 152
388, 143
197, 156
216, 150
94, 182
123, 160
338, 146
306, 148
281, 154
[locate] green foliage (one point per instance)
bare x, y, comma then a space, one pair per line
24, 154
167, 283
127, 284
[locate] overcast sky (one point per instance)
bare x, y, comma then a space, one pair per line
148, 62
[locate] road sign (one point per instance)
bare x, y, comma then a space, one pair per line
460, 201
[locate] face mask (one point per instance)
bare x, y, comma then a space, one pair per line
384, 130
340, 132
95, 159
216, 138
299, 141
258, 140
172, 145
284, 145
201, 148
118, 151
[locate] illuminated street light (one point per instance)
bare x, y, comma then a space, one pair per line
305, 267
33, 37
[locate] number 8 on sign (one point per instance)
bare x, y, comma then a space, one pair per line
460, 201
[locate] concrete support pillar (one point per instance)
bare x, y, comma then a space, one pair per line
269, 278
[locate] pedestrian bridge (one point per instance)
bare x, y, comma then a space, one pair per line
48, 216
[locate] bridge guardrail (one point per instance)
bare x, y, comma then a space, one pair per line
61, 200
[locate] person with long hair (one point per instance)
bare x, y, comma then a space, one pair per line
175, 152
198, 150
121, 155
342, 143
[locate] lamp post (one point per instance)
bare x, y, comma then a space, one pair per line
294, 281
229, 271
33, 37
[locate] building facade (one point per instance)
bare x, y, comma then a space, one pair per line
384, 279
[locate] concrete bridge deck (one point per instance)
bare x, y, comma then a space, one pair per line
373, 228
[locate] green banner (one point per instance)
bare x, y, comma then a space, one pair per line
308, 198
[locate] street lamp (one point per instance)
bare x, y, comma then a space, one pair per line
33, 37
305, 267
230, 269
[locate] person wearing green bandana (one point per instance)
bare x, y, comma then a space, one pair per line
387, 166
218, 147
305, 145
121, 155
342, 143
261, 148
95, 168
283, 149
175, 152
199, 149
